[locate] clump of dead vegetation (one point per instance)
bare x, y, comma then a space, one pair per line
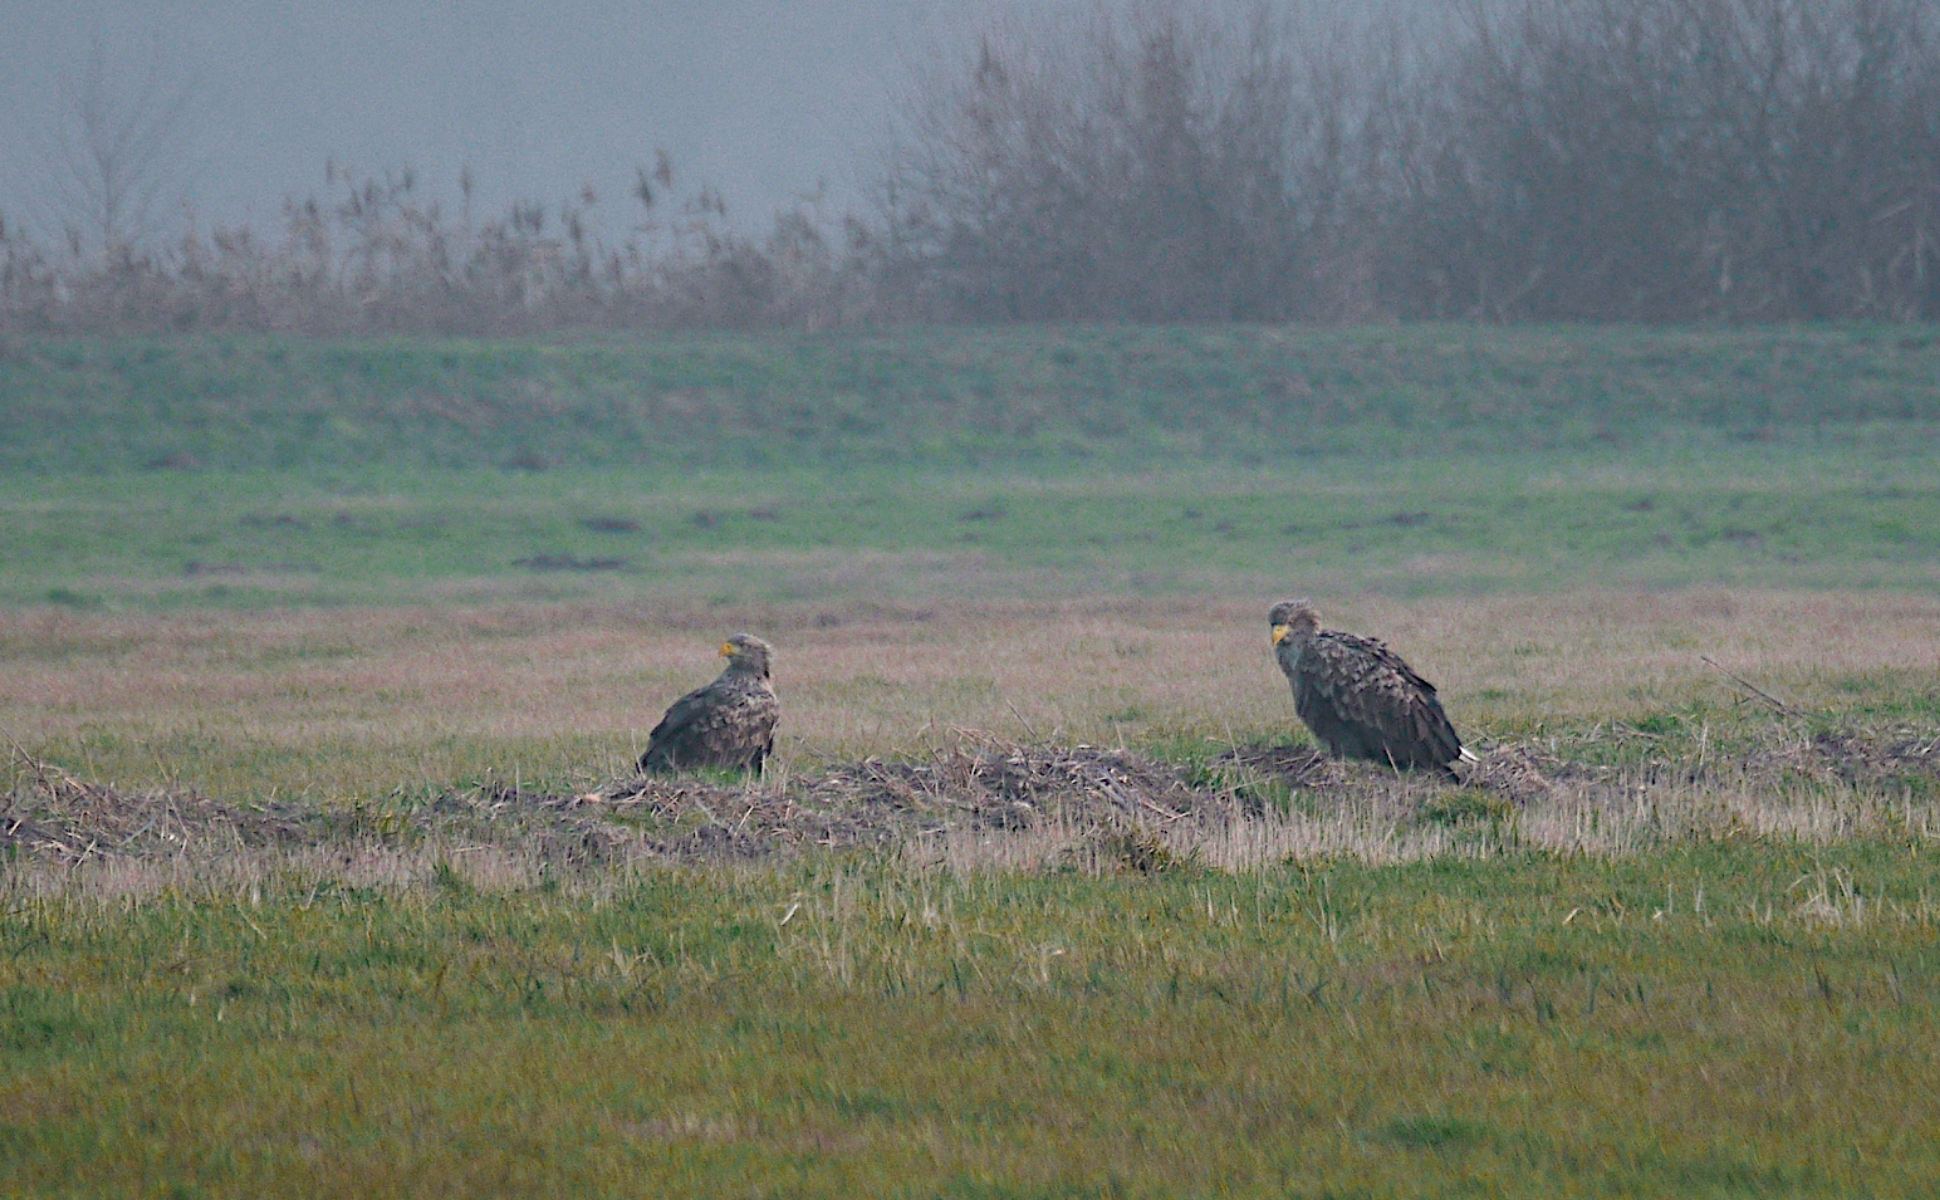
973, 789
983, 803
1896, 759
375, 253
60, 818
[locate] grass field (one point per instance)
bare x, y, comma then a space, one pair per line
374, 590
1783, 516
1112, 395
1729, 1020
170, 473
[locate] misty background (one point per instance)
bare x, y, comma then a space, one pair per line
487, 168
762, 99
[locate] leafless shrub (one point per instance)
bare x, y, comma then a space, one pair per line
1673, 160
1527, 160
1167, 163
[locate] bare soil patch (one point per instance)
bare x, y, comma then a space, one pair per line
569, 562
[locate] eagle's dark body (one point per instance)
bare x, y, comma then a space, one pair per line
729, 723
1359, 697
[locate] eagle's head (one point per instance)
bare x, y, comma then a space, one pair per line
1293, 620
746, 652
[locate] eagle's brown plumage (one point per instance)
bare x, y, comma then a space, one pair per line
1357, 695
729, 723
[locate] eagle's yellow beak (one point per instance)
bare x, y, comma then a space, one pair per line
727, 649
1280, 633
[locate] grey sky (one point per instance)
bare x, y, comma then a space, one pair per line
757, 97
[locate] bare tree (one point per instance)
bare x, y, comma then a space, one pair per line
121, 151
1170, 160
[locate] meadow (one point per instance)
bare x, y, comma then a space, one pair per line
323, 664
1721, 1020
1680, 514
1044, 397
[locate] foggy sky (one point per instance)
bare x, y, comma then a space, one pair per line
760, 98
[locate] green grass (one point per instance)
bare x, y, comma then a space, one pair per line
917, 463
1746, 515
1116, 394
1726, 1019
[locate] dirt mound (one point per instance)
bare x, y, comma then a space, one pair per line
864, 804
879, 803
70, 820
1521, 773
1295, 766
1117, 806
1862, 760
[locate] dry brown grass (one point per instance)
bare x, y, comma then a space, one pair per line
353, 706
359, 696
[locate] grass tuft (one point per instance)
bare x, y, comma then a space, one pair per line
1434, 1133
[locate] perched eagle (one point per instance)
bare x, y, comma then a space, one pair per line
1359, 697
729, 723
